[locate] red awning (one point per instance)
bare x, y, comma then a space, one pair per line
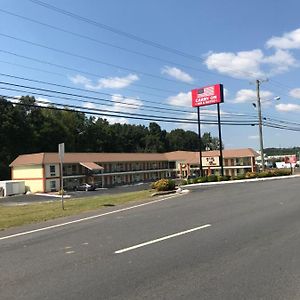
91, 166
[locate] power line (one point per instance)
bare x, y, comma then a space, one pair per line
84, 101
116, 114
116, 31
130, 35
92, 59
78, 70
132, 105
170, 107
106, 43
63, 75
72, 108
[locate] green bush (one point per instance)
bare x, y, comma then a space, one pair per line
212, 178
202, 179
224, 178
264, 174
164, 185
281, 172
195, 180
239, 177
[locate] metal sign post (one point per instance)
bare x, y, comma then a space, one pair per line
220, 140
200, 144
61, 152
208, 95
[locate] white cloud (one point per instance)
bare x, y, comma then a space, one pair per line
122, 105
181, 99
289, 40
280, 62
247, 95
110, 82
116, 82
289, 107
295, 93
244, 64
177, 74
250, 64
253, 137
44, 102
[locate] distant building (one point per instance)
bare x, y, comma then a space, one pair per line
41, 171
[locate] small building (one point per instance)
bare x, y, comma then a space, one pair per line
41, 171
12, 187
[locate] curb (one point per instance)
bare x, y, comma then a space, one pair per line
241, 181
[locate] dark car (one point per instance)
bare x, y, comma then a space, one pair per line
85, 187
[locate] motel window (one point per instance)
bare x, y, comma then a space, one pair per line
73, 169
52, 185
52, 170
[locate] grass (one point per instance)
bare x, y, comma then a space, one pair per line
11, 216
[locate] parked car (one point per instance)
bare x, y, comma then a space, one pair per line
85, 187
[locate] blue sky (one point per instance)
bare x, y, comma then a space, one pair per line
229, 42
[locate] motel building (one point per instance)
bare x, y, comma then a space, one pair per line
41, 171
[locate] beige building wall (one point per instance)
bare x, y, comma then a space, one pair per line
49, 174
33, 176
52, 184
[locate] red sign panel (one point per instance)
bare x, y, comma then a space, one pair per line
208, 95
290, 159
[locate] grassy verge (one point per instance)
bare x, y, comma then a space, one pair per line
20, 215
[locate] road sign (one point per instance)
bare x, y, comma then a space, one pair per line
208, 95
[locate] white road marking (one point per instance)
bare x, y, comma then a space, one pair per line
84, 243
70, 252
162, 239
84, 219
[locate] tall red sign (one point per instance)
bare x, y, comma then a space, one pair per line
208, 95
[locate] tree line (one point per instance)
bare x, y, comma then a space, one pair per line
27, 128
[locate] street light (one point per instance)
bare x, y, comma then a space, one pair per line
260, 125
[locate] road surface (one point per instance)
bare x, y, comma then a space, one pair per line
234, 241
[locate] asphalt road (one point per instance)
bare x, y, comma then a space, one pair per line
235, 241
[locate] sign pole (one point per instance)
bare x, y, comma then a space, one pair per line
61, 152
200, 143
220, 141
208, 95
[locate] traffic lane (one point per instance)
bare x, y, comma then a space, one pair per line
205, 261
149, 262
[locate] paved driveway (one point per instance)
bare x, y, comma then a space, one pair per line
35, 198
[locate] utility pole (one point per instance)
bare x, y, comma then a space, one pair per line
258, 82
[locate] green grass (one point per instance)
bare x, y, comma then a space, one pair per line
20, 215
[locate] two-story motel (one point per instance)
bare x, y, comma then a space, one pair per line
41, 171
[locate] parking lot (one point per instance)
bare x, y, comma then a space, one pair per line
36, 198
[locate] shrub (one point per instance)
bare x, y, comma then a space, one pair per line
195, 180
224, 178
164, 185
250, 175
239, 177
212, 178
264, 174
281, 172
202, 179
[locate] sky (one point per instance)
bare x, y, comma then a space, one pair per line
144, 57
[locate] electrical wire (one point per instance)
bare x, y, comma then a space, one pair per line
94, 60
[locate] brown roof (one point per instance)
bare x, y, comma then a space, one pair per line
193, 157
91, 166
188, 156
46, 158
